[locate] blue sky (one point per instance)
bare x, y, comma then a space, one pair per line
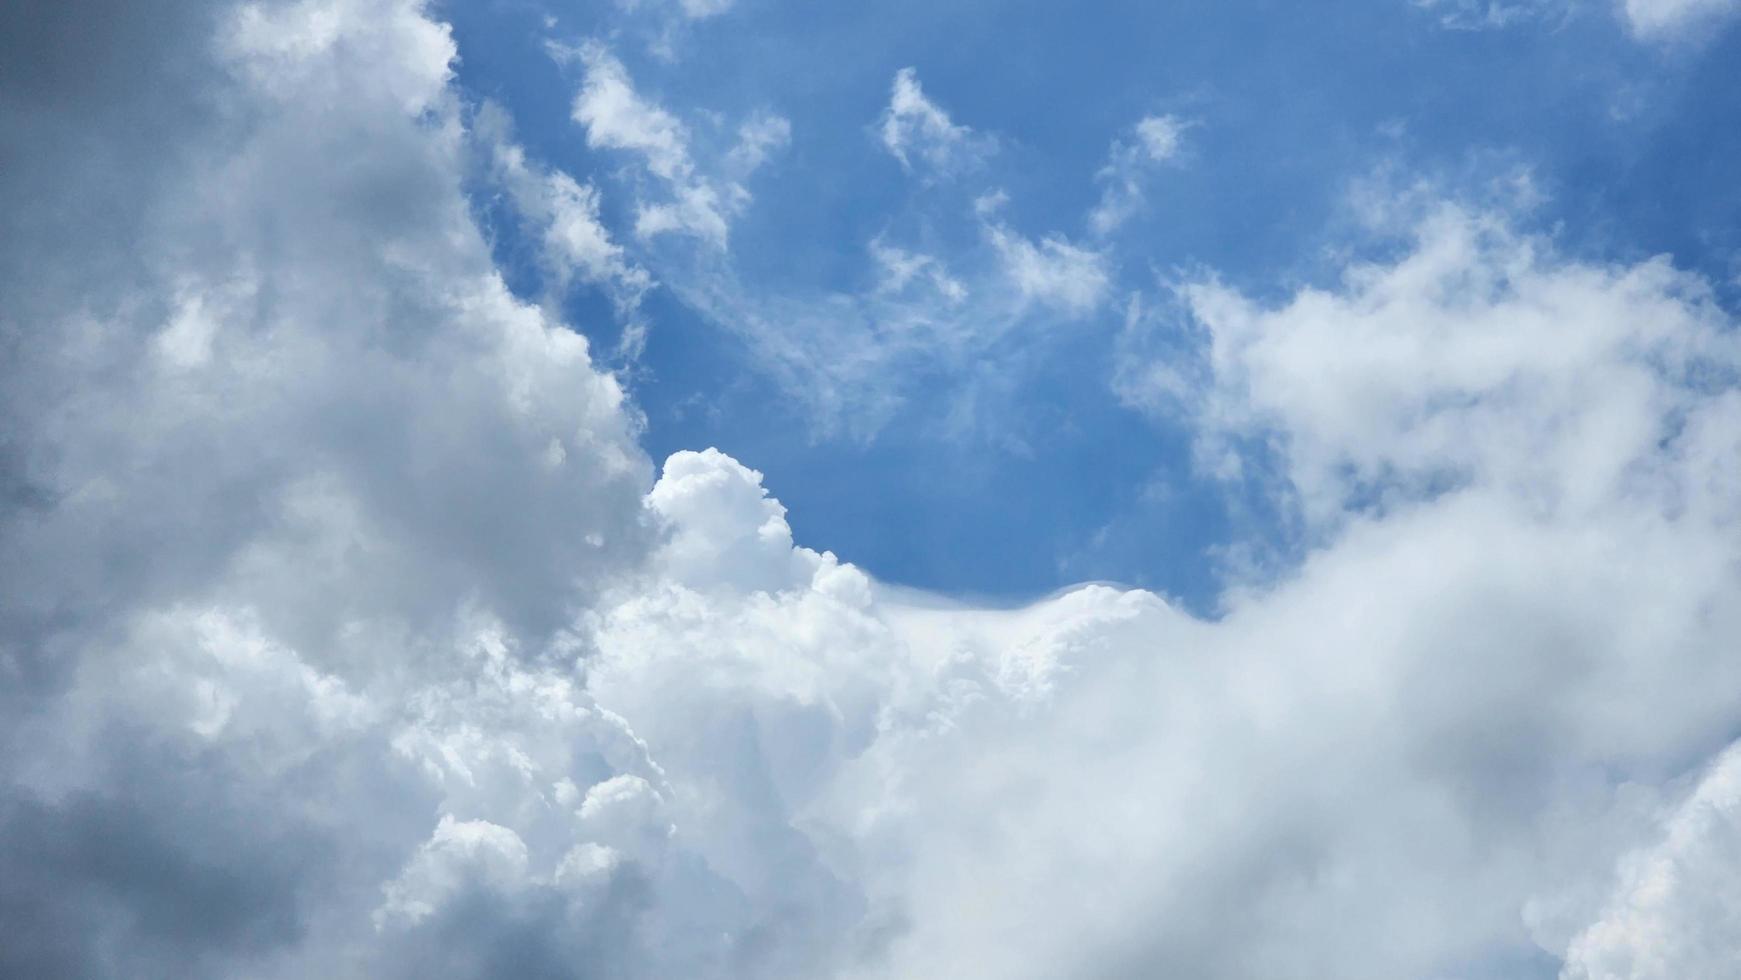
1289, 108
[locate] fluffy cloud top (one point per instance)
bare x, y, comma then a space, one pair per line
1477, 360
1673, 907
346, 631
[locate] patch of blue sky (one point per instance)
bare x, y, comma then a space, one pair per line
1005, 464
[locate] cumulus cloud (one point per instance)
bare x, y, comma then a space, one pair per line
1153, 140
1674, 907
1482, 696
1377, 389
1101, 783
294, 474
346, 631
916, 130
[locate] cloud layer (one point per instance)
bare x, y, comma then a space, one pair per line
347, 631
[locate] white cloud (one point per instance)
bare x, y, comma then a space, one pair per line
1675, 908
329, 665
1665, 19
615, 116
565, 213
1242, 781
1477, 15
459, 854
276, 45
1101, 783
695, 209
1647, 20
849, 355
841, 351
1153, 140
1476, 359
900, 269
725, 529
914, 128
1052, 271
295, 537
699, 204
759, 137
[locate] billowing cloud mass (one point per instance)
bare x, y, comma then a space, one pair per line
347, 631
1674, 909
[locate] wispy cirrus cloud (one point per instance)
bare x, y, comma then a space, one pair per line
1051, 271
919, 133
1479, 15
564, 212
1153, 141
844, 353
1647, 20
695, 203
